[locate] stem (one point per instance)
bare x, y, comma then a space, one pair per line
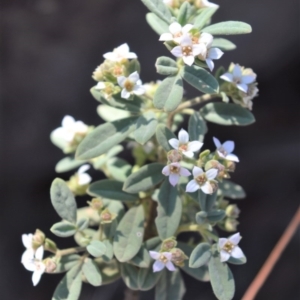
70, 251
272, 259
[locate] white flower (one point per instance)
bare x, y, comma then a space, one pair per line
202, 180
33, 262
205, 3
247, 97
131, 85
174, 171
176, 32
237, 77
182, 144
120, 53
229, 247
225, 150
163, 259
187, 50
83, 178
27, 240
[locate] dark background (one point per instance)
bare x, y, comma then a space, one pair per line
49, 49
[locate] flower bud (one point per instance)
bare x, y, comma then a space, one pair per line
38, 239
231, 224
178, 257
174, 156
214, 185
232, 211
50, 264
106, 216
96, 204
50, 245
168, 244
230, 166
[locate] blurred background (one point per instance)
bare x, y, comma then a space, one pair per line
49, 49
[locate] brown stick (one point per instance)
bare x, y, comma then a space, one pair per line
272, 259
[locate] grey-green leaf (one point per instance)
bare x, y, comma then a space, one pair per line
197, 127
184, 13
216, 215
159, 8
237, 261
223, 44
110, 114
200, 255
169, 93
169, 210
227, 114
145, 127
130, 275
67, 262
221, 278
67, 164
147, 279
129, 235
145, 178
166, 66
163, 135
118, 168
96, 248
110, 189
82, 223
63, 200
104, 137
157, 24
203, 18
228, 28
91, 272
63, 229
142, 258
200, 79
134, 66
232, 190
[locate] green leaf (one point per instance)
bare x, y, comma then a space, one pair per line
201, 217
82, 223
223, 44
216, 215
96, 248
157, 24
227, 28
110, 114
221, 278
91, 272
91, 214
109, 253
99, 162
130, 275
200, 79
84, 240
227, 114
169, 93
63, 200
166, 66
134, 66
145, 178
70, 286
104, 137
153, 243
129, 235
206, 201
170, 286
142, 258
184, 13
67, 164
163, 135
110, 189
232, 190
169, 210
145, 127
118, 168
203, 18
197, 127
200, 255
147, 279
67, 262
109, 270
237, 261
159, 8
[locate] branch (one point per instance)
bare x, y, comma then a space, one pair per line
70, 251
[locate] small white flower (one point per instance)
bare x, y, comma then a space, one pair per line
163, 259
33, 262
174, 171
187, 50
205, 3
237, 77
27, 240
182, 144
176, 32
202, 180
225, 150
229, 247
83, 178
120, 53
131, 85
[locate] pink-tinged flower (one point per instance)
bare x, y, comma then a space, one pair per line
120, 53
225, 150
202, 180
162, 259
182, 144
176, 32
239, 77
131, 85
33, 262
229, 247
174, 171
187, 50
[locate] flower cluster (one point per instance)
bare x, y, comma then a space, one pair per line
175, 4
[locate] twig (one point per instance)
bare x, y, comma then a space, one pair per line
272, 259
70, 251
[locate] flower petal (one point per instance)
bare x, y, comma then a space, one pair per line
247, 79
237, 71
224, 255
186, 40
215, 53
183, 136
84, 179
100, 85
189, 154
197, 171
174, 143
158, 266
131, 55
166, 171
199, 49
207, 188
83, 168
237, 252
184, 172
211, 174
109, 56
243, 87
124, 49
210, 64
175, 27
194, 146
235, 239
154, 254
174, 178
177, 51
206, 38
166, 37
39, 253
134, 77
232, 157
186, 28
36, 277
228, 146
168, 255
170, 266
192, 186
139, 90
121, 80
125, 94
217, 142
27, 240
222, 242
227, 77
68, 121
189, 60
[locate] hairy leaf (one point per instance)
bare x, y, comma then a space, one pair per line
227, 28
145, 127
200, 255
232, 190
163, 135
197, 127
159, 8
203, 18
223, 44
166, 66
91, 272
157, 24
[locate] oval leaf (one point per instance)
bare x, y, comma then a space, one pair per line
203, 18
184, 13
63, 200
200, 255
237, 261
67, 164
227, 28
163, 135
157, 24
110, 114
110, 189
197, 127
118, 168
129, 235
63, 229
104, 137
227, 114
223, 44
147, 279
166, 66
145, 178
91, 272
142, 258
169, 210
129, 274
145, 127
159, 8
67, 262
232, 190
216, 215
96, 248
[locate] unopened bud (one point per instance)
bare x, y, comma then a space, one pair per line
232, 211
106, 216
50, 265
174, 156
168, 244
178, 257
231, 224
50, 245
214, 185
38, 239
230, 166
96, 204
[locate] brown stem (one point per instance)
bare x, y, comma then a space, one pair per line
272, 259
